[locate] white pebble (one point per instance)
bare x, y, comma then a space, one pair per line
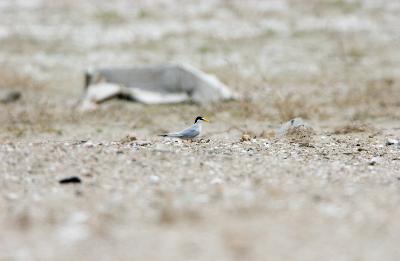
391, 141
154, 179
216, 181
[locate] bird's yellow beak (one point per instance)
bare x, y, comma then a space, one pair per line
206, 120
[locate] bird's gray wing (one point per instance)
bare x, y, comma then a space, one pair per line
186, 133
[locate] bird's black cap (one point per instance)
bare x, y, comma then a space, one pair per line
200, 118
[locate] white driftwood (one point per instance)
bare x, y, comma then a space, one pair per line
155, 85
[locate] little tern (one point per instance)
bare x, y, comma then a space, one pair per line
189, 133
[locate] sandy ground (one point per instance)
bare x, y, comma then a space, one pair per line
333, 194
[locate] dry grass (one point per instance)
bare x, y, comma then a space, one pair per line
13, 80
22, 117
292, 106
267, 134
354, 127
24, 122
383, 92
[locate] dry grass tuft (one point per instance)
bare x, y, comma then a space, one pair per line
385, 92
242, 109
39, 120
293, 106
354, 127
267, 134
10, 79
375, 93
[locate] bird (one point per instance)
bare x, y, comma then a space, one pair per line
188, 133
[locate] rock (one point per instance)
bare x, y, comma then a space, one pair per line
72, 180
391, 141
9, 96
128, 139
245, 137
293, 123
297, 131
373, 161
154, 179
89, 144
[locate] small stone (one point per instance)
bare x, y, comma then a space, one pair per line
293, 123
128, 139
373, 161
88, 144
297, 131
391, 141
70, 180
9, 96
154, 179
245, 137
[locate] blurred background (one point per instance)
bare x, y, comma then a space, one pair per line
331, 60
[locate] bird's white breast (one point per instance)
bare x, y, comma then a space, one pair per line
197, 126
